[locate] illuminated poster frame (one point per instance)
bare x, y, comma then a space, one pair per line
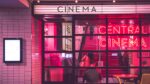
12, 50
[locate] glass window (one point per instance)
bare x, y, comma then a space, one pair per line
58, 59
54, 74
145, 26
58, 29
123, 26
90, 43
145, 42
123, 58
58, 44
90, 26
86, 59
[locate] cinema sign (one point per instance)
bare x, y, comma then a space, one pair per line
90, 9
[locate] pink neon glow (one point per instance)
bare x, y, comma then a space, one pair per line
50, 30
120, 41
121, 29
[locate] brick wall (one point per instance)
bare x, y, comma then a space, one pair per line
16, 23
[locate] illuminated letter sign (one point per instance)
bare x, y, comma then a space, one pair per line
121, 41
91, 9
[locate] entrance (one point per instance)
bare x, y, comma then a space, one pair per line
117, 44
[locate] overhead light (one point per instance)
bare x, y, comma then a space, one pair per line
76, 1
38, 1
114, 1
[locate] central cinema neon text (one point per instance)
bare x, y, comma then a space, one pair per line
124, 29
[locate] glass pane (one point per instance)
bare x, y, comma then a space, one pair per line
50, 29
90, 42
58, 29
145, 42
87, 59
145, 54
145, 62
67, 29
145, 26
58, 59
90, 27
54, 74
145, 69
129, 77
123, 42
90, 76
57, 44
123, 26
120, 58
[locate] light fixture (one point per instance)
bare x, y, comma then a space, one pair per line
114, 1
122, 21
76, 1
38, 1
131, 22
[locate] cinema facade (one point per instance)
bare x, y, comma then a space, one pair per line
68, 31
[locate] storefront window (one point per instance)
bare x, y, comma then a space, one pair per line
107, 45
90, 43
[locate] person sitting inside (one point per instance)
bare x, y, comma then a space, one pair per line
91, 75
86, 60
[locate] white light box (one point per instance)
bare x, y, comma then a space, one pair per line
12, 50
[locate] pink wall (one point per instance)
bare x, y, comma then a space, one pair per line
16, 23
36, 51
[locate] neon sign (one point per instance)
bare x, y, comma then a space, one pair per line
123, 29
122, 41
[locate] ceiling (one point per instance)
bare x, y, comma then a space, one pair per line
11, 4
95, 1
24, 3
